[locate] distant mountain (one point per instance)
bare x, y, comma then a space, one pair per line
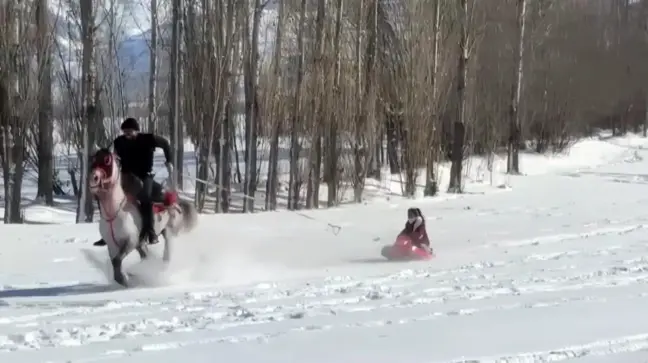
133, 53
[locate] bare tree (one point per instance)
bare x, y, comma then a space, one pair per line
250, 74
45, 121
174, 93
365, 136
153, 69
273, 157
10, 90
319, 112
295, 179
331, 169
460, 120
19, 89
88, 75
644, 8
220, 124
410, 84
513, 164
433, 152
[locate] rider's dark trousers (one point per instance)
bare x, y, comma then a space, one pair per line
145, 198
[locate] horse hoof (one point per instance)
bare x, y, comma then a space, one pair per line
121, 279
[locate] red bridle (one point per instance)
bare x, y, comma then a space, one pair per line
101, 173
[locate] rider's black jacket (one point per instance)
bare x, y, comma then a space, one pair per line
136, 155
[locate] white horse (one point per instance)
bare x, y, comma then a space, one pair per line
121, 222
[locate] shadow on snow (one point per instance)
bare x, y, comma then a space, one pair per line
64, 290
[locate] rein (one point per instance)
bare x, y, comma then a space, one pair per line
105, 215
114, 216
119, 208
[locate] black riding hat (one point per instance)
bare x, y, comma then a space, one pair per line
130, 124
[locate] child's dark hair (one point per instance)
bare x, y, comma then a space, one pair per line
420, 214
416, 212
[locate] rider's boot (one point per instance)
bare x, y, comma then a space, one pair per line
148, 223
153, 238
147, 208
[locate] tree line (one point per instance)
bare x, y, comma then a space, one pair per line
330, 92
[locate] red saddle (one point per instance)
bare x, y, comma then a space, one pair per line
170, 199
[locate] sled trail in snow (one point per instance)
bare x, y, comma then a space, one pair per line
554, 270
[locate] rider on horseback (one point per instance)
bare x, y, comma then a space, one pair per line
135, 151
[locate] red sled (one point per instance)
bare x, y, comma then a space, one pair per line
404, 250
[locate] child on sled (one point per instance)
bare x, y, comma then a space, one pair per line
415, 229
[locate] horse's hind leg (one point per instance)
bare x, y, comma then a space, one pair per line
143, 251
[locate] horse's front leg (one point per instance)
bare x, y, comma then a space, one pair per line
116, 262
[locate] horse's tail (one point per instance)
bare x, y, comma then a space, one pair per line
189, 215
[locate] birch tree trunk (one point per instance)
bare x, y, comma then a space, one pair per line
227, 129
174, 92
220, 117
332, 175
645, 34
358, 179
430, 180
312, 188
459, 123
251, 108
513, 157
273, 179
365, 127
152, 85
294, 182
10, 131
84, 209
45, 122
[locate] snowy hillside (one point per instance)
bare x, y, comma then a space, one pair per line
553, 269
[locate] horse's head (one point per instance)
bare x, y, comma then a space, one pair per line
104, 172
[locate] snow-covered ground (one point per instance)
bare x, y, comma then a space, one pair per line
552, 269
